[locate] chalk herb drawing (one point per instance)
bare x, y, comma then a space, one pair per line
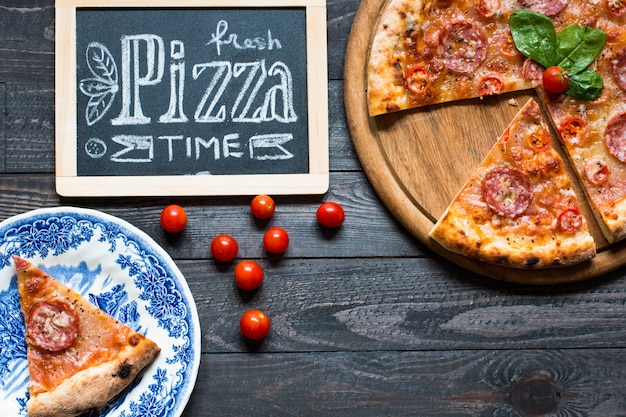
102, 87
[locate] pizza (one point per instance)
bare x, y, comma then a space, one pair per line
518, 209
428, 52
79, 357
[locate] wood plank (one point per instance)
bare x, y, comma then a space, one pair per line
27, 39
369, 304
29, 127
3, 113
368, 222
429, 383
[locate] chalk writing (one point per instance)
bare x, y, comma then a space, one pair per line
220, 38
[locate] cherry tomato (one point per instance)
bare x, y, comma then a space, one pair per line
597, 170
224, 248
417, 79
555, 79
540, 140
276, 240
254, 324
330, 214
570, 220
573, 129
173, 218
248, 275
262, 206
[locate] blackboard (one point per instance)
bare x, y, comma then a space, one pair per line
192, 98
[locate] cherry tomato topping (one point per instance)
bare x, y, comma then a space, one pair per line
330, 214
572, 129
597, 170
254, 324
617, 7
224, 248
248, 275
490, 85
173, 218
555, 79
276, 240
570, 220
417, 79
262, 206
540, 139
487, 8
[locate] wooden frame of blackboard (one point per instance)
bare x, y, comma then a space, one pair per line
70, 184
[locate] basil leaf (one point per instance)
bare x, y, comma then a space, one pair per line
534, 36
585, 85
578, 46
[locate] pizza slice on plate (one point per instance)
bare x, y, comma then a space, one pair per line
518, 209
79, 357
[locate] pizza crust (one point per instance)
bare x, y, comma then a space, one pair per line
94, 387
384, 86
457, 234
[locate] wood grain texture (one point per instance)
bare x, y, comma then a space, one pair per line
418, 160
367, 321
454, 383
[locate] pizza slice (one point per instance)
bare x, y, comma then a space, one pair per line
79, 357
518, 209
593, 133
435, 51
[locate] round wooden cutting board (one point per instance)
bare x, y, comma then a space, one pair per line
418, 160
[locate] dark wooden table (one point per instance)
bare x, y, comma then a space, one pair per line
366, 320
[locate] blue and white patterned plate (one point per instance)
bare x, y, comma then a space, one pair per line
123, 271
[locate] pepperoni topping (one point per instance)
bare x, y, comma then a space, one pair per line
464, 47
540, 140
417, 79
52, 325
547, 7
570, 220
617, 7
506, 44
489, 85
507, 191
597, 170
532, 70
619, 68
615, 136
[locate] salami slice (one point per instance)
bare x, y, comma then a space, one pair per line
52, 325
507, 191
619, 68
615, 136
547, 7
463, 46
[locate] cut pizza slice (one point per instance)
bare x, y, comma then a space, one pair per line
518, 209
594, 135
79, 357
432, 51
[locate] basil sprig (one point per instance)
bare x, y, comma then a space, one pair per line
573, 49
